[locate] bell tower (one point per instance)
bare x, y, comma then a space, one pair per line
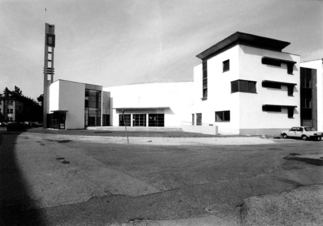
48, 67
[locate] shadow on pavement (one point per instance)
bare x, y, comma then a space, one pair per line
16, 207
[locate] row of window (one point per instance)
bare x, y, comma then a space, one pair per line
224, 116
250, 86
8, 110
10, 102
140, 120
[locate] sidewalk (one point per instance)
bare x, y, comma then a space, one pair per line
164, 140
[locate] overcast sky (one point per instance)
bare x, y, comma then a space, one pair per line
118, 42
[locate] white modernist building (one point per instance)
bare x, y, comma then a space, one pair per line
151, 104
245, 84
75, 105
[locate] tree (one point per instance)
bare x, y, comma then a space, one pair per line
18, 91
6, 95
31, 110
40, 98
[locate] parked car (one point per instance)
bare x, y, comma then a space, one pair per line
303, 132
16, 126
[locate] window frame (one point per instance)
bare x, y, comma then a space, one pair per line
226, 65
225, 116
204, 80
241, 88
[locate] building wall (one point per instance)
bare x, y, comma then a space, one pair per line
54, 96
246, 113
66, 95
251, 68
317, 64
171, 99
219, 91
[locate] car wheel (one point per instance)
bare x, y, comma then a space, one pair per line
285, 136
304, 137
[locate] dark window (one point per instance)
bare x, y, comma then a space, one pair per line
193, 119
306, 93
290, 68
290, 90
51, 29
272, 62
278, 63
290, 112
139, 120
222, 116
226, 65
204, 86
156, 120
50, 40
272, 108
106, 120
124, 119
243, 86
199, 119
274, 85
277, 85
306, 113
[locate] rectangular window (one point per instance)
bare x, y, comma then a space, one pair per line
306, 113
222, 116
204, 85
198, 119
124, 120
156, 120
139, 120
272, 108
290, 112
193, 119
278, 85
290, 68
272, 62
290, 90
278, 62
274, 85
226, 65
243, 86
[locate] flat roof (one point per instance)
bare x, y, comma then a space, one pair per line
245, 39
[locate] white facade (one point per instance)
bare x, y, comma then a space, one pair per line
318, 66
173, 100
245, 84
68, 96
246, 109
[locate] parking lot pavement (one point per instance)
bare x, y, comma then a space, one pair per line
82, 180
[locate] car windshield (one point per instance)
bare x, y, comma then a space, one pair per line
308, 128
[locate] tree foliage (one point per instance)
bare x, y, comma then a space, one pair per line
31, 110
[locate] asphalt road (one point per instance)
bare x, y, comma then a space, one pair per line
61, 180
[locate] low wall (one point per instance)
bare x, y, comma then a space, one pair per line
268, 132
212, 130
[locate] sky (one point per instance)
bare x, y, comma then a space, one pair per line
120, 42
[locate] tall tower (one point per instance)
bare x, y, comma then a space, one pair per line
48, 67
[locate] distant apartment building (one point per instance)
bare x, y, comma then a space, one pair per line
10, 109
